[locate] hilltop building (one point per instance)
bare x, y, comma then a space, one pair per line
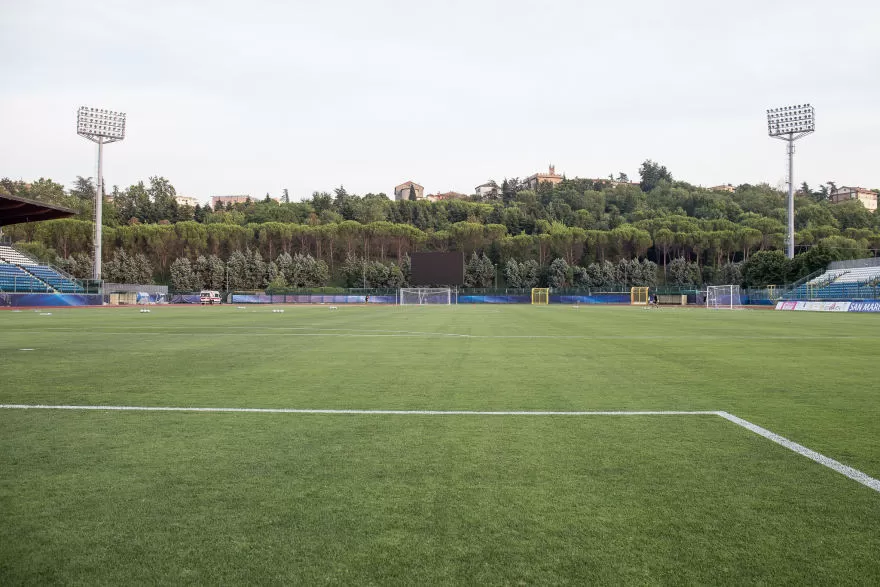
867, 197
490, 189
186, 201
551, 177
408, 188
226, 200
446, 196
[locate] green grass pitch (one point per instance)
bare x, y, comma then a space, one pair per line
109, 497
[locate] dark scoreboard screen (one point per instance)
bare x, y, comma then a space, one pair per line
437, 268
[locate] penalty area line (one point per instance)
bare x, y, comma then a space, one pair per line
800, 449
363, 412
837, 466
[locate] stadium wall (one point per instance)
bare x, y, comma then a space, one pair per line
611, 298
310, 299
51, 300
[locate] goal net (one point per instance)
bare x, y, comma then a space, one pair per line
638, 296
723, 297
541, 295
420, 296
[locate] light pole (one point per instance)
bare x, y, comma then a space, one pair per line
789, 124
101, 126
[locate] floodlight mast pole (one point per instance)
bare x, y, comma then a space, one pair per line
790, 253
790, 124
99, 126
99, 208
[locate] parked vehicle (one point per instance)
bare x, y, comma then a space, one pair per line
209, 297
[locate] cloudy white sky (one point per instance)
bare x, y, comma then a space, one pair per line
252, 97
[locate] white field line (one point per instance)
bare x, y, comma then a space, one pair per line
832, 464
362, 412
846, 470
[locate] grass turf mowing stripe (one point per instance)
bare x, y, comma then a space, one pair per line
832, 464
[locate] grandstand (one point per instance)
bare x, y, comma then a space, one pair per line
841, 283
21, 273
16, 279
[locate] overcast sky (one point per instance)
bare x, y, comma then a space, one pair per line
252, 97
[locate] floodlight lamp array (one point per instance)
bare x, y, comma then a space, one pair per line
790, 120
100, 122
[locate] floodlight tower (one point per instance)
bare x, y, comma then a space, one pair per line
789, 124
100, 126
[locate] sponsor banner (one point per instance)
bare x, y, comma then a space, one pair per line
864, 307
151, 298
821, 306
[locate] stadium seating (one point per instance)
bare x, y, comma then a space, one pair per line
860, 275
16, 279
54, 279
20, 273
13, 256
839, 284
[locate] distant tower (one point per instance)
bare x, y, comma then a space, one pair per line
552, 169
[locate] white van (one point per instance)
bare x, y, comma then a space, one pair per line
209, 297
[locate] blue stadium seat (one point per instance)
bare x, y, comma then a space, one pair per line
15, 279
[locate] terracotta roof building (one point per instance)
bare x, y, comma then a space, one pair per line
867, 197
446, 196
226, 200
551, 177
409, 190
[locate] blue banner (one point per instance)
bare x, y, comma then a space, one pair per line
50, 300
864, 307
185, 299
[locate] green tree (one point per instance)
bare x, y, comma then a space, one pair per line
256, 270
558, 274
183, 277
479, 271
652, 174
512, 274
852, 214
237, 268
682, 273
766, 268
163, 195
215, 277
125, 268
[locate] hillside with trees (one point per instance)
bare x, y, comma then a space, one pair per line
578, 233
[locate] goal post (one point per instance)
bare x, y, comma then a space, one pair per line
638, 296
540, 296
723, 297
421, 296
